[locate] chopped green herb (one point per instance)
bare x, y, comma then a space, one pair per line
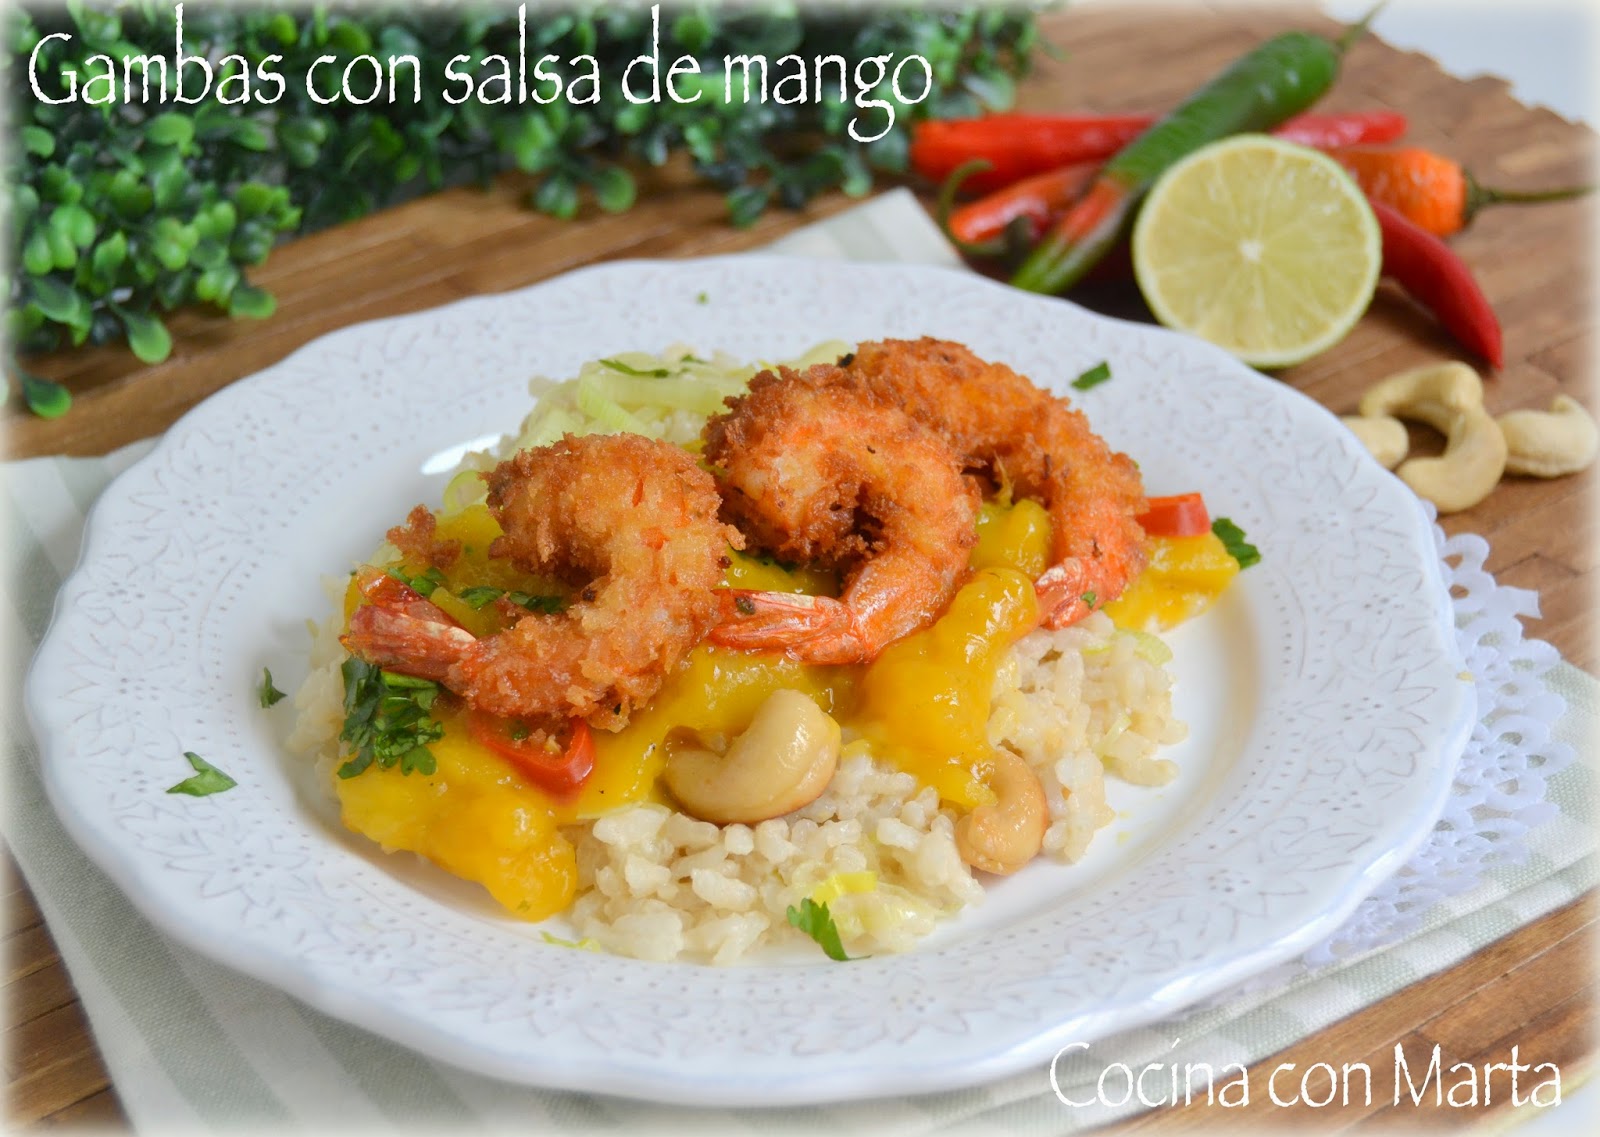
1089, 598
1232, 538
1093, 377
549, 605
652, 373
207, 779
423, 583
428, 581
479, 596
268, 694
585, 944
387, 720
410, 683
702, 298
815, 921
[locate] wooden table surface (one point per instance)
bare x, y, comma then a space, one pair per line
1535, 988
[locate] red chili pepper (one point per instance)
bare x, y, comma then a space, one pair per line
1181, 515
1440, 281
1038, 199
1019, 145
1324, 131
556, 772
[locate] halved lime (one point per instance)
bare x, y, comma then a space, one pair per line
1263, 247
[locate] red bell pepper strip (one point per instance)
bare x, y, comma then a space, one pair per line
1435, 277
1017, 146
557, 772
1181, 515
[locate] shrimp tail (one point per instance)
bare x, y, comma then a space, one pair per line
407, 644
387, 591
815, 629
402, 631
1072, 588
1065, 596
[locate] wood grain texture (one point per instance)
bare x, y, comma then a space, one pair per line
1534, 988
54, 1073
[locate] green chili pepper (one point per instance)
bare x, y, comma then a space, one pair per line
1273, 83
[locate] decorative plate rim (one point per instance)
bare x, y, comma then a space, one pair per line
144, 846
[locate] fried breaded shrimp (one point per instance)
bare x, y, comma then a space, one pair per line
820, 472
1009, 430
628, 522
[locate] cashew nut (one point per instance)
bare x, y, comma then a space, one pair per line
782, 761
1449, 398
1383, 435
1433, 393
1002, 837
1547, 444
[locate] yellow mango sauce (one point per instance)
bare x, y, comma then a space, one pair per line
923, 704
1183, 577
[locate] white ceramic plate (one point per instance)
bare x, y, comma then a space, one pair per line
1324, 695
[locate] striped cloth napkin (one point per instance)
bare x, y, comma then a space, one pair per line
192, 1045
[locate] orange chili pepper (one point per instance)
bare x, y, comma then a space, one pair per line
1430, 190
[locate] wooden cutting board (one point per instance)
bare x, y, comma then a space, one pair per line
1534, 988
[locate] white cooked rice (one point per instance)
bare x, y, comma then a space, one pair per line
1076, 704
319, 700
656, 884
